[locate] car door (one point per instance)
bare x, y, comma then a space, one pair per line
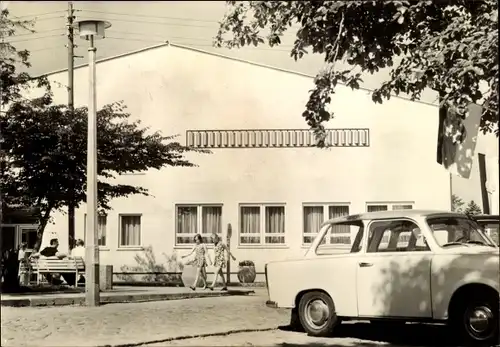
393, 276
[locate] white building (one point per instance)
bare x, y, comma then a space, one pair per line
263, 176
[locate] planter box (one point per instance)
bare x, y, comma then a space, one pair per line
247, 274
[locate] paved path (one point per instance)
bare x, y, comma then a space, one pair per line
351, 334
185, 322
131, 323
273, 338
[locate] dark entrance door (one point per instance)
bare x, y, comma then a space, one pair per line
7, 238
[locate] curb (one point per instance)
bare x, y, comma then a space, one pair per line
115, 299
186, 337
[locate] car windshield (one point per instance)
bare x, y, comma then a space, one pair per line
457, 231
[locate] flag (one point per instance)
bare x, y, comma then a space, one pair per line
457, 138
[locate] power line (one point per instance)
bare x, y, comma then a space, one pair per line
38, 32
46, 48
149, 16
39, 14
34, 38
46, 18
168, 37
194, 44
146, 34
127, 39
146, 22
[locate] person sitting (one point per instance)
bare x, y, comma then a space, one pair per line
52, 252
79, 252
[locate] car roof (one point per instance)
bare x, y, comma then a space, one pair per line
394, 214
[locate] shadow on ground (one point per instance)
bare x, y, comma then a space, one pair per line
429, 335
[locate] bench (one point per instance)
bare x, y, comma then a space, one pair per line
42, 266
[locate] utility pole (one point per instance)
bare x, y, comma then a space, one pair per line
71, 60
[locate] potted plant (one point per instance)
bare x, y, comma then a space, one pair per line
246, 271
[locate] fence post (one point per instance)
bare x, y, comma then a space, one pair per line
228, 243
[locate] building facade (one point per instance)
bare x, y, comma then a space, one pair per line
263, 177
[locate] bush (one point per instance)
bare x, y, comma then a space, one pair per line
246, 263
147, 263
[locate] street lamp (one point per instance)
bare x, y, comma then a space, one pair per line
91, 30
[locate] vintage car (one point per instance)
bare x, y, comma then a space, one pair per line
403, 266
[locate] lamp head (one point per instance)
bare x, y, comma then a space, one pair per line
94, 28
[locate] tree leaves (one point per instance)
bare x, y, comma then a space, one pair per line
44, 153
12, 84
453, 46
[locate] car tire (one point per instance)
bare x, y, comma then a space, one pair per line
317, 314
477, 320
295, 324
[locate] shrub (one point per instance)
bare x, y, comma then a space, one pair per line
147, 263
246, 263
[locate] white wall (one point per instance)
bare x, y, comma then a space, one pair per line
174, 89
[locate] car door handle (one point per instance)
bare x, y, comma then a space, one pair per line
365, 264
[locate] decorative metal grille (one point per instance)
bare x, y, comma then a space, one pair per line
275, 138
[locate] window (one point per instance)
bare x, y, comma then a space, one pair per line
395, 236
375, 207
313, 217
262, 225
325, 248
29, 236
130, 230
102, 221
291, 138
197, 219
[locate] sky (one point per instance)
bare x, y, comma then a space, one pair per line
140, 24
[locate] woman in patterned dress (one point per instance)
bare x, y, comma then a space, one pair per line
220, 250
200, 261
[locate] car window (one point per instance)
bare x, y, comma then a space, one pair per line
456, 231
338, 238
492, 229
395, 236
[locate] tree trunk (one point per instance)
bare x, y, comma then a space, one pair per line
71, 225
41, 228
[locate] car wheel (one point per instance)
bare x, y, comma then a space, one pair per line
477, 320
317, 314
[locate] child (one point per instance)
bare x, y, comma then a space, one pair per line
219, 260
201, 253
